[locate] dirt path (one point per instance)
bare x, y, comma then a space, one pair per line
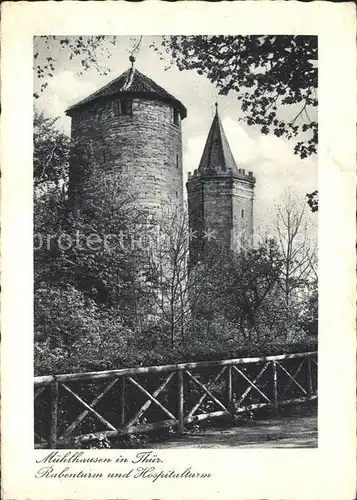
298, 431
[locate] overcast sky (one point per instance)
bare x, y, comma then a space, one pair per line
271, 159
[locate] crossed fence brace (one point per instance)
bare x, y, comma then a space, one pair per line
232, 402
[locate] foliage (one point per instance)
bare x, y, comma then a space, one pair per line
268, 73
86, 280
274, 77
84, 50
86, 249
102, 306
253, 275
51, 153
238, 288
309, 318
95, 310
74, 334
313, 201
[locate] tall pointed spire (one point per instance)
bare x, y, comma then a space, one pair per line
217, 154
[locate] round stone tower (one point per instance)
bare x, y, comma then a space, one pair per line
130, 127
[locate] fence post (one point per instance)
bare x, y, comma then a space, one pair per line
180, 396
275, 387
52, 441
122, 401
229, 388
309, 375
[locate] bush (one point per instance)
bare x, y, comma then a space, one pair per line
74, 334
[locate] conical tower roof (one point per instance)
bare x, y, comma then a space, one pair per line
217, 153
131, 83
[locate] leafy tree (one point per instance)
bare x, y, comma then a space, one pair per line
237, 290
86, 277
269, 74
253, 275
73, 333
91, 248
309, 318
51, 154
90, 301
275, 78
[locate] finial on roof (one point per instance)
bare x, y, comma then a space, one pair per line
216, 104
131, 73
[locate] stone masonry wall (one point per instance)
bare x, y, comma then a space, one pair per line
242, 212
196, 219
218, 210
221, 210
145, 148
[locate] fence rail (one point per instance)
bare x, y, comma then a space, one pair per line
135, 400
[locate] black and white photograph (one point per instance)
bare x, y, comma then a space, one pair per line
175, 241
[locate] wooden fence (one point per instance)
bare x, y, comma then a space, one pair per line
137, 400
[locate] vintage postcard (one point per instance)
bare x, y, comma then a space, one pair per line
178, 258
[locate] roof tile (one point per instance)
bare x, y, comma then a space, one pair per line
129, 83
217, 153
